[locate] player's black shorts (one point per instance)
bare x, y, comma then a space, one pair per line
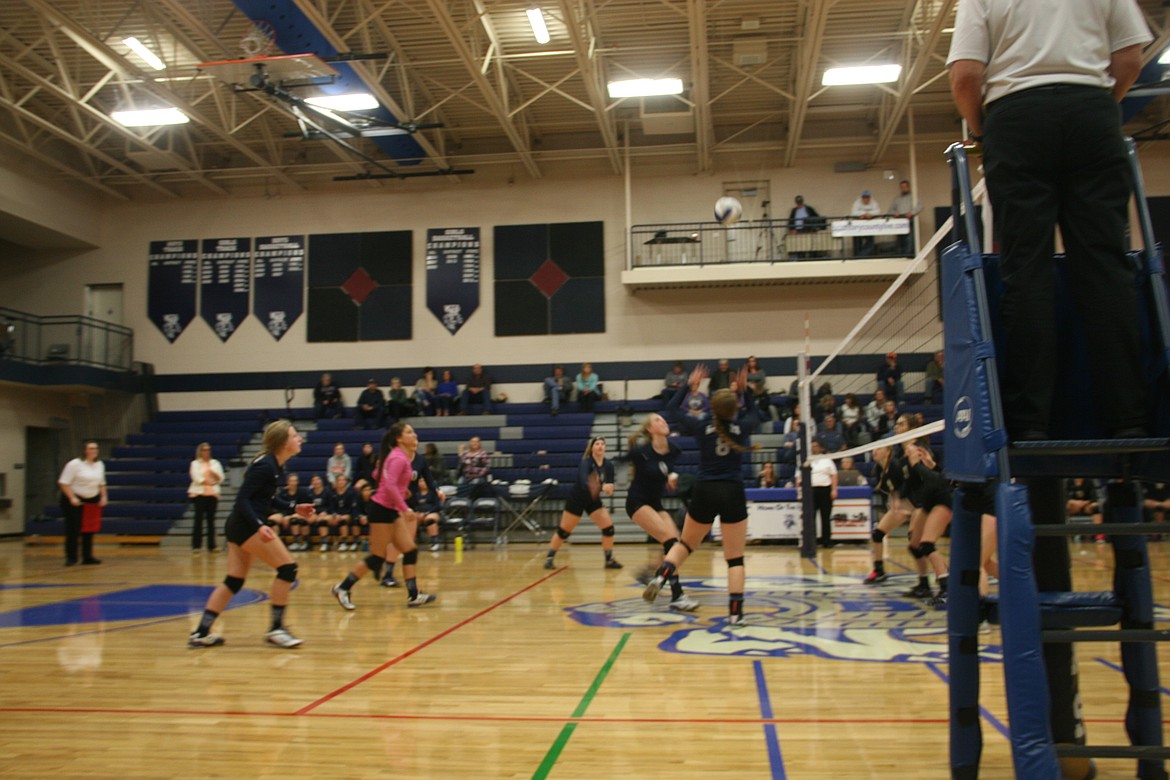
931, 496
579, 503
380, 514
634, 503
238, 528
725, 499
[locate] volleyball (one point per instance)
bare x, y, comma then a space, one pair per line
728, 210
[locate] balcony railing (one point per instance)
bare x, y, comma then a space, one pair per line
65, 339
770, 241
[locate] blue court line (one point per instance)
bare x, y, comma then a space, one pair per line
901, 566
1165, 691
775, 758
819, 565
994, 721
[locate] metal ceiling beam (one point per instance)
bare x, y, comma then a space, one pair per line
115, 61
1159, 44
815, 21
701, 84
910, 80
53, 162
498, 109
581, 35
368, 76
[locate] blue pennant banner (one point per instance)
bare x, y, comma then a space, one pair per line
453, 275
225, 280
174, 269
278, 273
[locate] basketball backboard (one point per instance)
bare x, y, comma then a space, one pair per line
284, 68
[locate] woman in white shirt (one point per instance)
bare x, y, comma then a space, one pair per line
206, 477
82, 481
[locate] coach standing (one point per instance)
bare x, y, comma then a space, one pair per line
1038, 82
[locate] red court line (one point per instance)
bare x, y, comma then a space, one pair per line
329, 696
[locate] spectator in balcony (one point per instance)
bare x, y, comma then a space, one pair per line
424, 392
864, 207
804, 219
206, 475
82, 481
371, 407
889, 378
557, 389
399, 404
327, 401
907, 207
478, 391
934, 378
588, 386
339, 464
675, 378
445, 394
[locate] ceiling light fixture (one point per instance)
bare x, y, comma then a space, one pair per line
1165, 58
644, 87
145, 54
358, 101
151, 117
863, 74
539, 28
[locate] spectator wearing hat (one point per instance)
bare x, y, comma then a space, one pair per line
804, 219
371, 407
864, 207
889, 378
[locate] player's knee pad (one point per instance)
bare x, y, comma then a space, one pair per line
374, 562
915, 551
733, 562
684, 544
233, 583
561, 532
410, 558
926, 549
287, 572
877, 535
668, 544
608, 531
428, 522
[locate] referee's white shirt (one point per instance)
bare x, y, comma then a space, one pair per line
823, 471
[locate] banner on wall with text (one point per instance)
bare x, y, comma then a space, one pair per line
453, 275
172, 278
278, 274
225, 279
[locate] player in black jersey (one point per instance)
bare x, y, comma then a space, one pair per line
594, 477
652, 457
723, 435
248, 537
889, 476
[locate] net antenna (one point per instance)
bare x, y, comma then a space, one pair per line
259, 40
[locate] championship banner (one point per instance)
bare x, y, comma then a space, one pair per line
278, 274
225, 279
173, 274
453, 275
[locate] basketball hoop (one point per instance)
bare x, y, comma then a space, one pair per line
259, 40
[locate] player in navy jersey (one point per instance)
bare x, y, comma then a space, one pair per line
322, 520
594, 477
248, 537
652, 457
344, 506
723, 435
889, 475
428, 512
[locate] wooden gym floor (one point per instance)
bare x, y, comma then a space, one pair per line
514, 672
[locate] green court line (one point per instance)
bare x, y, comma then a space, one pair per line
562, 739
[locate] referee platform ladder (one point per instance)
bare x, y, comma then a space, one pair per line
1040, 616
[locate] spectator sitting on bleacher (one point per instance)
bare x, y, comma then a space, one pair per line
438, 466
557, 389
343, 505
371, 407
291, 525
758, 385
829, 435
851, 415
888, 419
474, 470
339, 464
588, 386
675, 378
793, 422
934, 378
766, 478
848, 475
695, 402
322, 520
327, 401
875, 409
424, 392
889, 377
446, 394
721, 378
478, 391
824, 406
365, 467
399, 404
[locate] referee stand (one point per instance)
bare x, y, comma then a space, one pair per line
1040, 616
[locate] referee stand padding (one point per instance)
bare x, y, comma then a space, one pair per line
1039, 614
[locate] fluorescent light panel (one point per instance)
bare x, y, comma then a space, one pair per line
863, 74
151, 117
358, 101
145, 54
539, 28
645, 87
1165, 58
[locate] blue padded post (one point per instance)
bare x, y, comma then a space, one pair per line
963, 636
1132, 583
1025, 676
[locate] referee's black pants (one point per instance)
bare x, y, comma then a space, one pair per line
1055, 156
823, 507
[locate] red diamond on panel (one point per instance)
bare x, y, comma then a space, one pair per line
359, 285
549, 278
